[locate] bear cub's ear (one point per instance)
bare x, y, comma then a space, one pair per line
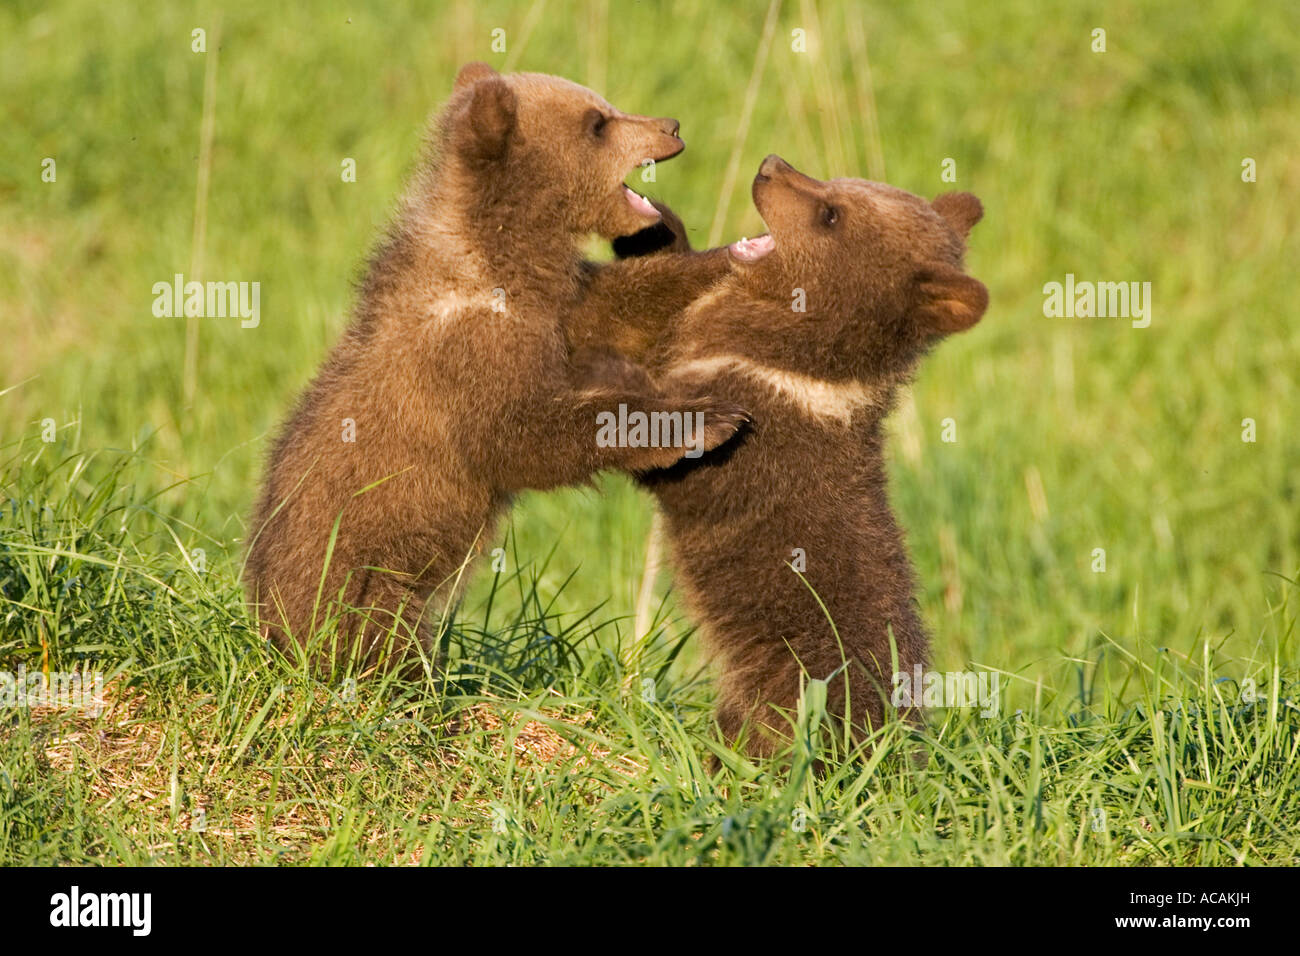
471, 73
948, 299
960, 210
485, 123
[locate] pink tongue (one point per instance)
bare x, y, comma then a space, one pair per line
640, 203
751, 249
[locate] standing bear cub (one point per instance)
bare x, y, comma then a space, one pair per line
784, 541
455, 386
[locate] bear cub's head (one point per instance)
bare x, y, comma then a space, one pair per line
877, 270
544, 147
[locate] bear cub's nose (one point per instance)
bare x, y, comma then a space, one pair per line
773, 164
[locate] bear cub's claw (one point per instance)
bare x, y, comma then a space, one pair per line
722, 421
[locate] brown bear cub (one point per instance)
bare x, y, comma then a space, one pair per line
812, 331
455, 386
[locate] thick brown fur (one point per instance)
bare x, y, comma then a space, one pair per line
880, 273
455, 375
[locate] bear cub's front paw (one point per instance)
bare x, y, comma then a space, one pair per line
722, 421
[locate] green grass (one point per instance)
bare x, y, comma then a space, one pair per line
1125, 688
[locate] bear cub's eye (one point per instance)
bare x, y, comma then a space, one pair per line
830, 216
595, 122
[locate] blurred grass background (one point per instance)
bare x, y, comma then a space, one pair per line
1072, 434
1123, 165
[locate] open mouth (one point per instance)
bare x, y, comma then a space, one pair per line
639, 203
751, 250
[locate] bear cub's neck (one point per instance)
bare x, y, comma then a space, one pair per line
824, 378
489, 237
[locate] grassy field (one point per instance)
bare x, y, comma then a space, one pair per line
1152, 710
